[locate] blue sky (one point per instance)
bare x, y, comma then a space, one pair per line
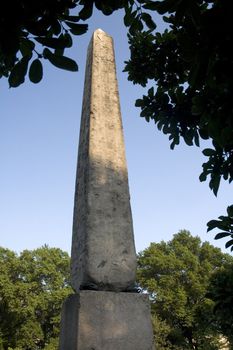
39, 129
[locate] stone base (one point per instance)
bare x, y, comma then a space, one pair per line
106, 321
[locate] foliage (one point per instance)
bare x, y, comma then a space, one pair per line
220, 291
45, 22
51, 24
33, 31
190, 284
224, 223
177, 275
189, 65
33, 286
161, 333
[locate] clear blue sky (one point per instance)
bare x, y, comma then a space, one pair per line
39, 128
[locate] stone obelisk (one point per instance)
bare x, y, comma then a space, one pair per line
105, 313
103, 253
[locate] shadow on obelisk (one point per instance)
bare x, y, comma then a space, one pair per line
105, 241
105, 313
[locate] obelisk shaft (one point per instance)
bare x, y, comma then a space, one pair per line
103, 251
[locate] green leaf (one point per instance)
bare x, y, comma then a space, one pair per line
46, 53
36, 71
152, 5
56, 27
213, 224
226, 219
204, 134
203, 177
175, 141
129, 18
196, 139
59, 52
139, 103
188, 137
229, 243
162, 6
208, 152
198, 104
160, 124
26, 46
151, 92
55, 43
77, 29
71, 18
87, 10
19, 71
194, 75
230, 211
148, 21
226, 135
221, 235
214, 183
62, 62
68, 40
136, 26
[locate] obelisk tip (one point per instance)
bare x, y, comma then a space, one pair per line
100, 32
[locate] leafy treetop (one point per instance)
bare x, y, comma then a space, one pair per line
33, 287
177, 274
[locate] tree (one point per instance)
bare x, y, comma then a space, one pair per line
220, 290
225, 224
189, 69
189, 65
26, 26
177, 275
31, 32
33, 286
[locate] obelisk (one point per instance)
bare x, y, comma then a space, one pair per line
105, 313
103, 252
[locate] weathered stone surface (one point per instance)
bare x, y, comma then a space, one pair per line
106, 321
103, 251
69, 323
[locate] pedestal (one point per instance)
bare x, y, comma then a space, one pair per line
106, 321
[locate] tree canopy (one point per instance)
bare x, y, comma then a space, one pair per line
190, 286
221, 292
33, 31
188, 67
33, 286
177, 275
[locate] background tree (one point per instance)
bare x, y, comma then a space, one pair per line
220, 291
190, 284
32, 289
177, 275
